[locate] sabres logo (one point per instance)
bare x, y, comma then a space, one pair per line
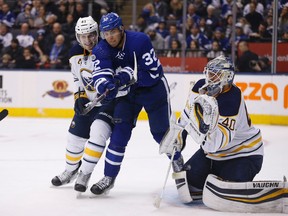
59, 90
87, 79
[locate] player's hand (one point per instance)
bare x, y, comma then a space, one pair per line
79, 105
112, 89
124, 77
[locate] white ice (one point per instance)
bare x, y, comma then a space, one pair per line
32, 152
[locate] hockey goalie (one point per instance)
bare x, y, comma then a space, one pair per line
221, 172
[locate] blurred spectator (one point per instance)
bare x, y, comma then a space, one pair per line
258, 7
262, 65
26, 61
262, 34
239, 34
156, 40
215, 52
283, 19
7, 16
219, 36
51, 36
202, 39
148, 13
6, 62
161, 29
194, 50
228, 25
24, 37
69, 28
284, 36
25, 17
80, 10
201, 7
50, 20
175, 50
173, 35
253, 17
40, 18
50, 7
191, 13
161, 9
175, 11
14, 50
245, 56
62, 12
245, 26
58, 54
36, 5
5, 36
211, 20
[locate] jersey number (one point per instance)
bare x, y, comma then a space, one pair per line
229, 123
149, 57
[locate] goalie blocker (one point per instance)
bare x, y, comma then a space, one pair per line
246, 197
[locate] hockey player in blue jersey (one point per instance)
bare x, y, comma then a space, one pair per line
113, 63
87, 133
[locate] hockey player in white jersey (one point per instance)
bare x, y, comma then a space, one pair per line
216, 117
88, 133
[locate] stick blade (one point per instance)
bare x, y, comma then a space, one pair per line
3, 114
157, 202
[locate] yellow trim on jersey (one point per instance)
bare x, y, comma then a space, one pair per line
92, 153
255, 142
224, 132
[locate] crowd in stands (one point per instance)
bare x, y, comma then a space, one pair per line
39, 33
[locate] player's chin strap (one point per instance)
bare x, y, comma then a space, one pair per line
246, 197
92, 104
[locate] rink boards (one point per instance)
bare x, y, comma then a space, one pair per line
50, 94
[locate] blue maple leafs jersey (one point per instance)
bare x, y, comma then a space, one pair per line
108, 60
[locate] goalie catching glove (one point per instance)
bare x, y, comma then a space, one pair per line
173, 138
200, 117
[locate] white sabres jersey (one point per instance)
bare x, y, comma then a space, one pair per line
82, 68
234, 135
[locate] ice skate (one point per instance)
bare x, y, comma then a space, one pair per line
82, 182
103, 186
65, 177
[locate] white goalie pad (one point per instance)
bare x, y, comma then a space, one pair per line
246, 197
172, 138
182, 186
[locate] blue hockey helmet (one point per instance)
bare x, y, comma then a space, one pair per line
110, 21
218, 72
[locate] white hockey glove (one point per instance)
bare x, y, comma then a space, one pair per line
172, 139
201, 117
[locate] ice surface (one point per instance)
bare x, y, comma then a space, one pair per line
32, 153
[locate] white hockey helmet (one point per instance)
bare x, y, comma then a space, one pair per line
86, 25
218, 72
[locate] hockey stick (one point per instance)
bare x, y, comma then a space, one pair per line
3, 114
93, 103
158, 199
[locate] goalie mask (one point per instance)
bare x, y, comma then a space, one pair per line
218, 72
86, 31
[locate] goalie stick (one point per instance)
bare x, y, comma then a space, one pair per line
158, 198
93, 103
3, 114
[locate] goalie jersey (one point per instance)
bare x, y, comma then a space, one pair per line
234, 135
82, 68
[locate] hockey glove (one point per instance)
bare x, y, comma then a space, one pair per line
124, 77
112, 91
80, 101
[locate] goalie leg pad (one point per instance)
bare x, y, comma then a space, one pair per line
182, 186
246, 197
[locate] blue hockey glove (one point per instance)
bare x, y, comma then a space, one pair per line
80, 101
112, 91
124, 77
